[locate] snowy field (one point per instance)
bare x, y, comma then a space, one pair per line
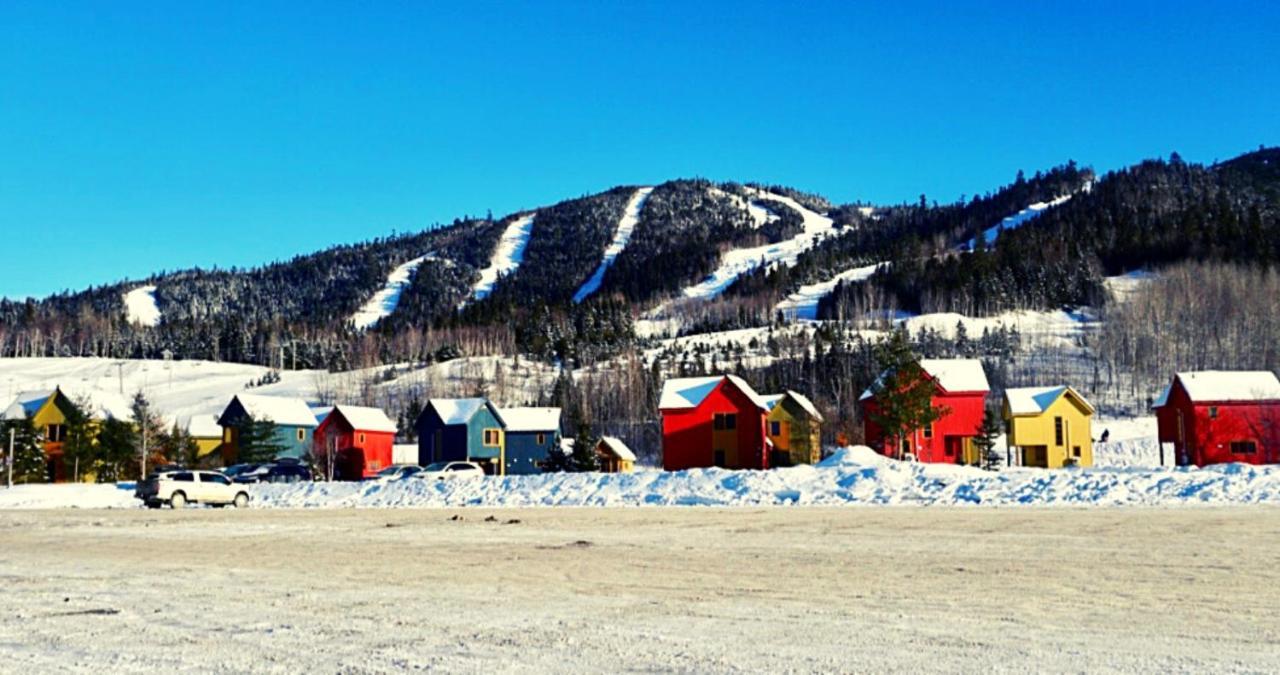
641, 590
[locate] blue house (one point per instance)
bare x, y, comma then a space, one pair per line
462, 429
531, 434
294, 420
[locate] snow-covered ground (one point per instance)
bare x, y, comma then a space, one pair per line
506, 257
384, 302
1017, 220
140, 306
803, 304
621, 237
1123, 286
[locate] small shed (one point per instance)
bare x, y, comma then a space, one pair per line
1050, 426
795, 428
1218, 416
615, 456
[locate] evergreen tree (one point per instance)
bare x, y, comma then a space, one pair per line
29, 461
557, 461
257, 440
177, 446
904, 393
147, 430
584, 449
986, 439
79, 451
116, 452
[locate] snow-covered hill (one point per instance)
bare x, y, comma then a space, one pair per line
506, 257
627, 225
384, 302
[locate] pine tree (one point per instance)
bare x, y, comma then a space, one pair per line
584, 450
986, 439
904, 393
557, 461
29, 462
257, 440
78, 450
178, 447
115, 451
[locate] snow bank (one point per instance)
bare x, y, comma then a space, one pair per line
852, 476
621, 237
506, 257
384, 302
140, 306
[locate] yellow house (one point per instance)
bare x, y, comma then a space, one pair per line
1050, 426
615, 456
794, 426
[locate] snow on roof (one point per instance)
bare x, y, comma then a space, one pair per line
456, 410
688, 392
26, 404
805, 403
291, 411
1230, 385
618, 448
531, 419
953, 375
1035, 400
202, 426
771, 400
366, 419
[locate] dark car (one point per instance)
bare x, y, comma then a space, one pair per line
276, 473
236, 470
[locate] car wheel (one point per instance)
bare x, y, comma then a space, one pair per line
152, 504
178, 500
241, 500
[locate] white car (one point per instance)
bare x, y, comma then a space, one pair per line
450, 471
184, 486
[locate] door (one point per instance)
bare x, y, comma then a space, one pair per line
954, 448
724, 438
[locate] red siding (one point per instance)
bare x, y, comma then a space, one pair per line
1207, 440
687, 433
364, 458
963, 419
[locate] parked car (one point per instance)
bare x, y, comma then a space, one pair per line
239, 469
450, 471
397, 472
182, 487
276, 473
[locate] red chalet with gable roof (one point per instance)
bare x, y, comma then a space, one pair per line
961, 388
1215, 416
713, 421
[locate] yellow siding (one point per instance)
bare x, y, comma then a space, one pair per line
1031, 432
206, 446
799, 435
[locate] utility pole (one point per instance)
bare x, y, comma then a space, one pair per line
144, 449
9, 459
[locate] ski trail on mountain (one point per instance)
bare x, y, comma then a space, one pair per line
506, 257
627, 225
1017, 220
384, 302
140, 306
803, 304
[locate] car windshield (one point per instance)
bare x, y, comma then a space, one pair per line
389, 471
438, 466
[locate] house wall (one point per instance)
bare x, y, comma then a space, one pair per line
1207, 439
688, 436
296, 445
56, 470
961, 424
800, 434
459, 442
1033, 431
356, 458
524, 455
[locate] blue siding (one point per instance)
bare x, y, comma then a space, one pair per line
458, 442
525, 454
286, 434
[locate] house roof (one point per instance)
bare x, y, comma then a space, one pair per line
202, 426
456, 410
953, 375
530, 419
803, 401
689, 392
1226, 385
618, 448
1035, 400
99, 405
290, 411
365, 419
27, 404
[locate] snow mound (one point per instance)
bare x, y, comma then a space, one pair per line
384, 302
140, 306
506, 257
621, 237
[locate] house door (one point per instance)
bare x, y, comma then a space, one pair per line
954, 448
724, 439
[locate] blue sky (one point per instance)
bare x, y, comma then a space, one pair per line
136, 138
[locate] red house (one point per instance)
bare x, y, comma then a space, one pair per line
360, 440
713, 421
960, 386
1215, 416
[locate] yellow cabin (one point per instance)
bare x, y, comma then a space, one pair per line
614, 455
794, 426
1050, 426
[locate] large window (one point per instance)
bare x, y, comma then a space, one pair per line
55, 433
726, 421
493, 437
1243, 447
1057, 431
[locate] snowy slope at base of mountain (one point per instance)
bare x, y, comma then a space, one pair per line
803, 304
506, 257
621, 237
854, 476
140, 306
384, 302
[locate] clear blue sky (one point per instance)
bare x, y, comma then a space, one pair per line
136, 138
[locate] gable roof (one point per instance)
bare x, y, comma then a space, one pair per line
531, 419
1035, 400
100, 405
954, 376
618, 448
459, 410
1226, 385
27, 404
801, 400
682, 393
290, 411
365, 419
202, 426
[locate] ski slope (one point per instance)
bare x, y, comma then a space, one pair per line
803, 304
622, 236
733, 264
506, 257
140, 306
384, 302
1016, 220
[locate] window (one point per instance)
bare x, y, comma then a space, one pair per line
1213, 412
492, 437
214, 478
1057, 431
361, 439
1075, 451
775, 428
55, 433
184, 477
928, 431
302, 434
1243, 447
541, 438
1182, 428
726, 421
719, 459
